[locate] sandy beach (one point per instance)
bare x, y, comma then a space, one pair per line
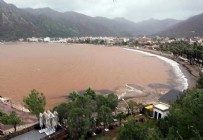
58, 69
191, 72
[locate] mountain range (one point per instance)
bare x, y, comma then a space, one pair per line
17, 23
190, 27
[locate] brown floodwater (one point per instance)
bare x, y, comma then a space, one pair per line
58, 69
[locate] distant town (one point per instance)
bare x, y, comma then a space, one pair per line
149, 42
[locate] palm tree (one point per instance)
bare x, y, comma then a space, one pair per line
120, 117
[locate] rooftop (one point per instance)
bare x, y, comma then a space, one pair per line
171, 96
31, 135
149, 107
162, 106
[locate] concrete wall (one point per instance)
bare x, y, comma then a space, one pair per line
157, 114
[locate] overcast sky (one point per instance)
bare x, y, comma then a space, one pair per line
135, 10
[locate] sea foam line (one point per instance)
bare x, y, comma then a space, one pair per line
174, 64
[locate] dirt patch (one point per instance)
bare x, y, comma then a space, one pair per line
27, 118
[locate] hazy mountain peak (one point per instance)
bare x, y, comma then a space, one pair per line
2, 1
148, 21
17, 23
190, 27
119, 18
73, 13
122, 19
151, 19
45, 10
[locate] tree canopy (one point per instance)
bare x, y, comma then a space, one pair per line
85, 111
10, 119
131, 131
193, 52
35, 102
185, 119
132, 106
200, 80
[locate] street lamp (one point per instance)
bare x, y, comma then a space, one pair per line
127, 105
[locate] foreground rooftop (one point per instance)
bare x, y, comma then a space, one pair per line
162, 106
32, 135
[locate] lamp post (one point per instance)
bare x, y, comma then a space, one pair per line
127, 106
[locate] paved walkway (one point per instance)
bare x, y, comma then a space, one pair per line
31, 135
18, 128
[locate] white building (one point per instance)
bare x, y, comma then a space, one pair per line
160, 110
47, 39
33, 39
21, 39
62, 40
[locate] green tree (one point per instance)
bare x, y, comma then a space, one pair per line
1, 113
133, 106
14, 119
62, 110
86, 103
200, 80
112, 101
89, 106
78, 123
185, 117
120, 117
35, 102
11, 119
131, 131
101, 100
85, 110
105, 115
73, 96
91, 93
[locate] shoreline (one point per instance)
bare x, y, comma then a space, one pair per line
150, 94
191, 72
